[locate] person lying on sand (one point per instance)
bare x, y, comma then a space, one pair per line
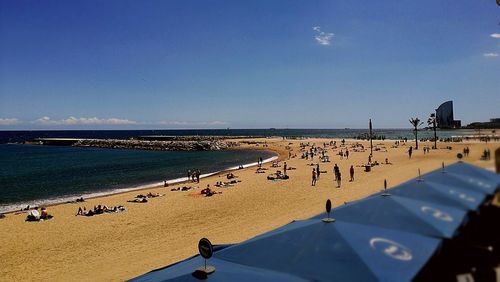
184, 188
261, 170
78, 200
154, 195
277, 176
138, 200
226, 184
100, 210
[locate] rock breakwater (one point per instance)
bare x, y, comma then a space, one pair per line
210, 144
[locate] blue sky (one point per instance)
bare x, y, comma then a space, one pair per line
245, 64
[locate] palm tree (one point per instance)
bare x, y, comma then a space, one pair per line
416, 123
432, 122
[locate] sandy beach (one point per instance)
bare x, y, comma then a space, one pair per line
120, 246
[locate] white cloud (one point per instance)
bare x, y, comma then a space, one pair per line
193, 123
8, 121
490, 55
83, 121
323, 38
495, 35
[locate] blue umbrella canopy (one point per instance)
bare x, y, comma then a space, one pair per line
224, 271
337, 251
465, 177
474, 172
400, 213
440, 194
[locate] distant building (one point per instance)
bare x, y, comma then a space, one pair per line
493, 123
444, 116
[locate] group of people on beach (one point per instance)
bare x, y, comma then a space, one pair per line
34, 215
316, 173
486, 155
194, 175
99, 209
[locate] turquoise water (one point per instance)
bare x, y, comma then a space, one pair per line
33, 174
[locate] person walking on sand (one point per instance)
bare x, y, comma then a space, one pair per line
347, 154
313, 183
317, 171
410, 151
339, 179
351, 172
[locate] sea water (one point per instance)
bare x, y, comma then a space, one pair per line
35, 174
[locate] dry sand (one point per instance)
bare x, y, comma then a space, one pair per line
115, 247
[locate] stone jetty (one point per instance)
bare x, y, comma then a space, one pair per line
202, 144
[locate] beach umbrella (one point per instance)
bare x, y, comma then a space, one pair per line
335, 251
437, 193
473, 171
405, 214
224, 271
466, 180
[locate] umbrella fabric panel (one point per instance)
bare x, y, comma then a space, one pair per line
337, 251
392, 255
443, 218
398, 213
474, 171
440, 194
224, 271
310, 249
459, 181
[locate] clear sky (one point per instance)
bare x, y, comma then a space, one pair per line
245, 64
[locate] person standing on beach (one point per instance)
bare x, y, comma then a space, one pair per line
410, 151
347, 154
335, 171
339, 179
189, 174
284, 168
351, 172
198, 173
313, 183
